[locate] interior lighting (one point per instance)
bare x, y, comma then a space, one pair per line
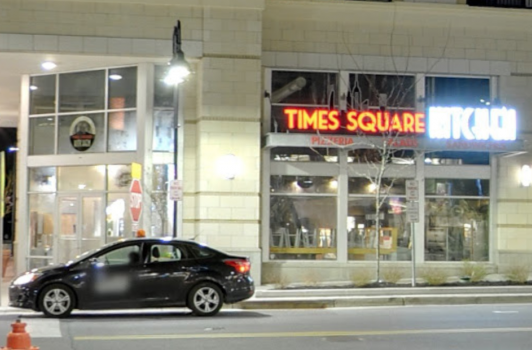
48, 65
33, 87
526, 175
115, 77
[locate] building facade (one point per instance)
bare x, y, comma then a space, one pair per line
280, 133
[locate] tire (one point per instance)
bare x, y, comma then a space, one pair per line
205, 299
56, 300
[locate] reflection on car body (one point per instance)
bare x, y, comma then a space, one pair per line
137, 273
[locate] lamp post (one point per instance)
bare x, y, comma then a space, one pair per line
178, 71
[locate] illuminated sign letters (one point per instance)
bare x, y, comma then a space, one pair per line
355, 121
498, 124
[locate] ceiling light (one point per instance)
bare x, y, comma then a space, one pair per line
115, 77
33, 87
48, 65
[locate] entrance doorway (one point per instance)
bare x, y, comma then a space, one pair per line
80, 225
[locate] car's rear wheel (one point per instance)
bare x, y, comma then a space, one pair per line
205, 299
56, 301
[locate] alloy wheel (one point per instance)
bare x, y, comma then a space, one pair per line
206, 299
57, 301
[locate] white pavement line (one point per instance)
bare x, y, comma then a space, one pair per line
43, 328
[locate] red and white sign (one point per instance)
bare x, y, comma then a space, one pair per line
135, 206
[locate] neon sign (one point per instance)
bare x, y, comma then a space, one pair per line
498, 124
354, 121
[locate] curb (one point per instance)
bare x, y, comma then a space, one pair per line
389, 300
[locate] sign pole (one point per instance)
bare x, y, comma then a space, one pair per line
413, 240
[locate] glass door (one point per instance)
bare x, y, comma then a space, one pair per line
80, 225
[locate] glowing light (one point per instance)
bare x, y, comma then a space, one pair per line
526, 176
498, 124
115, 77
48, 65
334, 184
229, 166
33, 87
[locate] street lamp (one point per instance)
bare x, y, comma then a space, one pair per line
178, 71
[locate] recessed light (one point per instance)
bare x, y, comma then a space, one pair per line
48, 65
33, 87
115, 77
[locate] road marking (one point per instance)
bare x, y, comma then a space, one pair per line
302, 334
43, 328
505, 312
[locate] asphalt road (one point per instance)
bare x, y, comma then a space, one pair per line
417, 327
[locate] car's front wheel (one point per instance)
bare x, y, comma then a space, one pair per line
56, 301
205, 299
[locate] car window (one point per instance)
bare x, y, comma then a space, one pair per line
129, 255
201, 251
167, 252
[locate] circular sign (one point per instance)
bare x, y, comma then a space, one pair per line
135, 206
82, 133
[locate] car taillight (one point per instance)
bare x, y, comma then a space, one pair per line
239, 265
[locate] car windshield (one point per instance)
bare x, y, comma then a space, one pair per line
88, 253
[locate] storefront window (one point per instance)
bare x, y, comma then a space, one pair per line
389, 186
122, 135
42, 94
118, 178
457, 187
41, 138
118, 220
41, 226
122, 88
461, 92
394, 233
456, 229
81, 134
372, 156
42, 179
303, 184
457, 158
303, 228
82, 91
161, 208
301, 154
163, 93
163, 130
370, 91
81, 178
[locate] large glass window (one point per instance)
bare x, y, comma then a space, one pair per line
122, 88
82, 91
81, 178
110, 121
394, 233
460, 92
301, 154
118, 220
303, 184
42, 94
41, 138
303, 227
163, 130
122, 131
42, 179
456, 226
370, 91
41, 224
161, 208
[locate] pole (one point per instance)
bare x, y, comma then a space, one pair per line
176, 126
2, 209
413, 239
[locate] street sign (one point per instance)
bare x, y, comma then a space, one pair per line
175, 192
135, 205
412, 190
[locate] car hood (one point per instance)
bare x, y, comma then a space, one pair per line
50, 268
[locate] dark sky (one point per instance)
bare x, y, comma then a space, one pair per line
8, 138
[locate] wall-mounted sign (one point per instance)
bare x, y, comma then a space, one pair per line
497, 124
352, 121
82, 133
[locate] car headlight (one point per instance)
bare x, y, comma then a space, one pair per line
26, 278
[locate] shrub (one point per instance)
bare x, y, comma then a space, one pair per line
475, 272
518, 273
433, 276
392, 274
361, 277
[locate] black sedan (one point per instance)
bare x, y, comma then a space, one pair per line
137, 273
